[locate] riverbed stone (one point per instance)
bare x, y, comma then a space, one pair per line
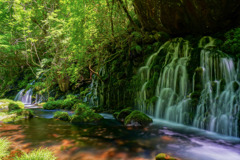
163, 156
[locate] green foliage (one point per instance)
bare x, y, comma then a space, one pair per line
61, 115
81, 108
27, 113
4, 147
232, 42
51, 99
12, 107
84, 114
51, 105
38, 154
123, 114
138, 117
5, 102
67, 103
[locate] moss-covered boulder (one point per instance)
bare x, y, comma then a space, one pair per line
120, 116
137, 118
84, 114
86, 117
12, 107
64, 116
163, 156
27, 113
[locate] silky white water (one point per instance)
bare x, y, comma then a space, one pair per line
218, 106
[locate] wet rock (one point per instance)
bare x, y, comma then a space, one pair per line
187, 16
137, 118
163, 156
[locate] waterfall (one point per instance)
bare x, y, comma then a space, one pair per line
92, 96
25, 98
19, 95
218, 107
219, 103
172, 86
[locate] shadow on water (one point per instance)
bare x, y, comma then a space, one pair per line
108, 139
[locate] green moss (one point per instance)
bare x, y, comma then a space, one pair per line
232, 42
222, 85
27, 113
115, 114
163, 156
51, 105
80, 108
5, 103
123, 114
61, 115
138, 117
87, 116
4, 147
12, 107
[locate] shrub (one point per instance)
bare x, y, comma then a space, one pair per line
232, 43
86, 117
139, 118
67, 104
50, 105
59, 104
4, 146
81, 108
39, 154
13, 106
61, 115
51, 99
84, 114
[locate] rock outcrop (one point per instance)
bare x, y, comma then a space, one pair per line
181, 17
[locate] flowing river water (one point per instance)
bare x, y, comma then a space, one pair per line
110, 140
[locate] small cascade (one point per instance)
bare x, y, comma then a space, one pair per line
92, 96
219, 103
25, 98
211, 100
19, 95
172, 87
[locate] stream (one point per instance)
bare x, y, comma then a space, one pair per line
110, 140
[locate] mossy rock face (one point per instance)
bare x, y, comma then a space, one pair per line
137, 118
123, 114
12, 107
163, 156
61, 116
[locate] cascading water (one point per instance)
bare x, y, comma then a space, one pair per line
25, 98
217, 108
92, 96
219, 104
172, 86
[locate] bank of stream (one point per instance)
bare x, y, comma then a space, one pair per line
109, 139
